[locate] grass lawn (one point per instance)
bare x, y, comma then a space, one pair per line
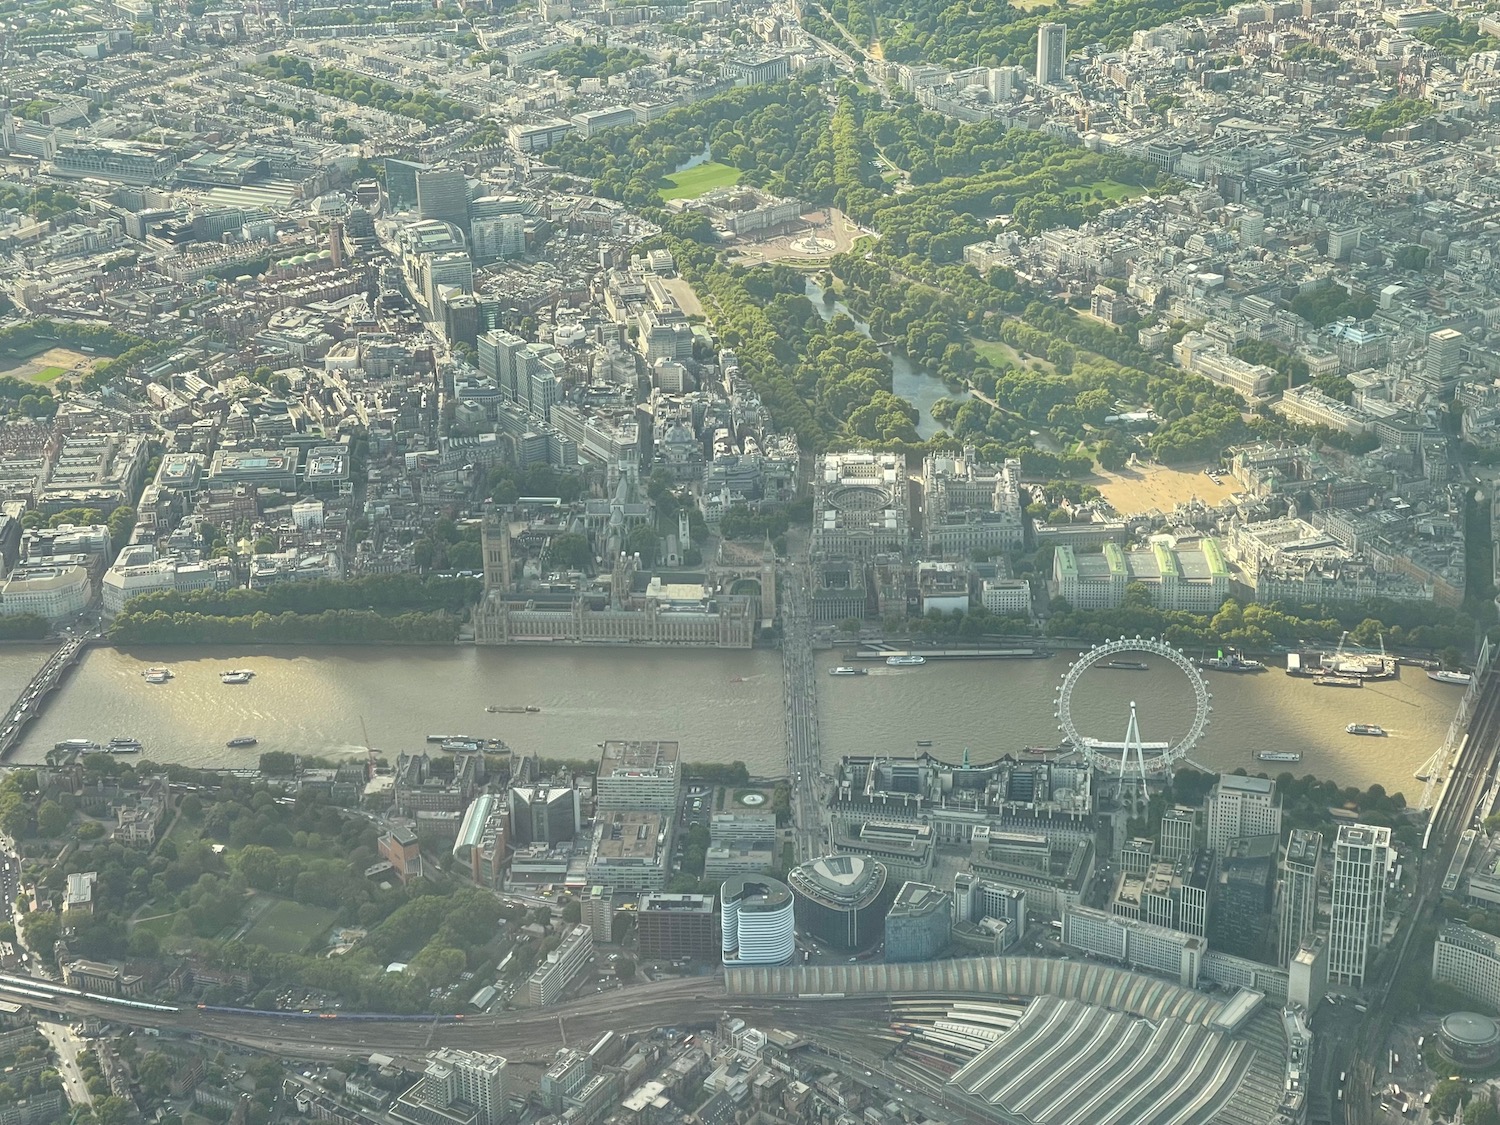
160, 925
1000, 353
1113, 190
695, 181
183, 833
46, 374
289, 927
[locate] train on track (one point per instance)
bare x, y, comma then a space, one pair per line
34, 988
37, 988
313, 1015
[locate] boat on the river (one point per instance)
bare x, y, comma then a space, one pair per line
1279, 755
905, 661
236, 743
236, 676
1127, 665
1338, 681
125, 746
845, 670
1365, 728
1231, 662
513, 710
1443, 676
157, 675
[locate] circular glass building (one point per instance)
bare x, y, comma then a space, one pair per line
757, 922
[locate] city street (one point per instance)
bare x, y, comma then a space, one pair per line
66, 1046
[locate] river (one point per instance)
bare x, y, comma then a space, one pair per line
721, 706
917, 386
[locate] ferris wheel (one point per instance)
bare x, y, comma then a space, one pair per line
1132, 757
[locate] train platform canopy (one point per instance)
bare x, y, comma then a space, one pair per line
1236, 1014
1069, 1063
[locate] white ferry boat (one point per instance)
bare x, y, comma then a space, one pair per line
238, 676
157, 675
1279, 756
843, 670
1462, 679
1365, 728
905, 661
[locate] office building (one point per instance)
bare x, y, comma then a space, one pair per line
401, 182
1179, 833
629, 851
842, 899
919, 923
1139, 945
742, 829
39, 1109
1297, 912
1468, 960
1136, 856
481, 844
669, 927
1342, 241
1241, 806
79, 895
104, 977
1174, 895
1193, 578
1239, 922
597, 911
456, 1086
970, 505
544, 814
1307, 974
638, 775
737, 859
570, 1069
1051, 53
757, 922
451, 269
499, 353
501, 237
988, 917
403, 851
1361, 857
561, 966
1444, 355
443, 194
53, 592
